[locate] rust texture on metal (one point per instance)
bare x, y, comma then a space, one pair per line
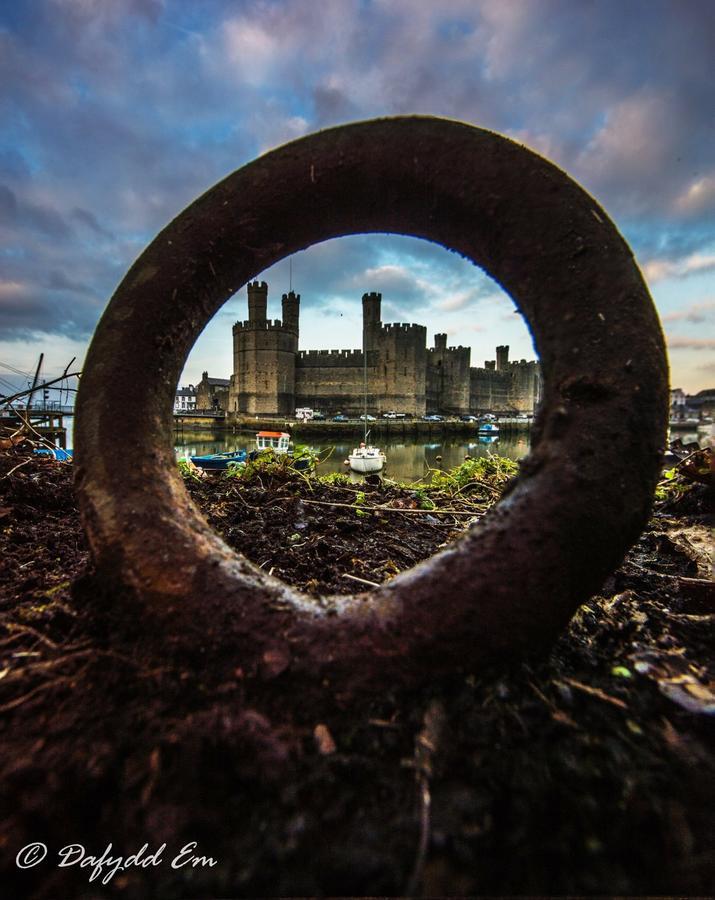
514, 580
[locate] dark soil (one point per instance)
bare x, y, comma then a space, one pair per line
587, 772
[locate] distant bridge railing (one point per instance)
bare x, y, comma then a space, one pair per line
200, 413
7, 412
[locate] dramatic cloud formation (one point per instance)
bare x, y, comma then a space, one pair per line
117, 113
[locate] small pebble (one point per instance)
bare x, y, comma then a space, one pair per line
323, 740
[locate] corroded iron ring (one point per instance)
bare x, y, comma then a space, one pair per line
584, 492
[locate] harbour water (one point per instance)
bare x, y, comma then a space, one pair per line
407, 460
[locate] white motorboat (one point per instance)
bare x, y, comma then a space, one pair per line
277, 441
366, 459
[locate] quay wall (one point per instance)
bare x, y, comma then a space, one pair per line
391, 427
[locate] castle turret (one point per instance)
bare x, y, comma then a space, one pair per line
370, 319
503, 358
447, 384
264, 351
291, 311
257, 301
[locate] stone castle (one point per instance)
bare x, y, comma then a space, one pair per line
271, 376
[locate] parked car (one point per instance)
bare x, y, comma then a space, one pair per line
369, 418
433, 418
393, 415
318, 416
340, 418
468, 418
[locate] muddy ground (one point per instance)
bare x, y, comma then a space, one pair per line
586, 772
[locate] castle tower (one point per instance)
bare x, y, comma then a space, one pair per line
264, 351
502, 358
448, 379
370, 319
290, 304
257, 301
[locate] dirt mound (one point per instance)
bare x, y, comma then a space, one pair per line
589, 772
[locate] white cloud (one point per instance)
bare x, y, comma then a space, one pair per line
659, 269
635, 140
251, 49
699, 196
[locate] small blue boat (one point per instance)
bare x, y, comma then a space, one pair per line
57, 453
219, 460
488, 428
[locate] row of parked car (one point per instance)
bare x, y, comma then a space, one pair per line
315, 415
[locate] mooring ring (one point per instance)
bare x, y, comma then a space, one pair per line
584, 492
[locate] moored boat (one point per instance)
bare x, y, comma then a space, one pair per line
219, 461
365, 459
58, 453
277, 441
488, 428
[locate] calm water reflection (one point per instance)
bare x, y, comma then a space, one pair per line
406, 460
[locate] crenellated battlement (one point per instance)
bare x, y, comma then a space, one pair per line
450, 351
341, 353
403, 328
345, 358
266, 325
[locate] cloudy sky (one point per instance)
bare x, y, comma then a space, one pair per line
115, 114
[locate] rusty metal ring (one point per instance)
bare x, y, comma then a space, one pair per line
584, 492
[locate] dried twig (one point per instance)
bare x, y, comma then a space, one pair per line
18, 701
394, 509
39, 387
361, 580
18, 630
15, 468
596, 692
426, 747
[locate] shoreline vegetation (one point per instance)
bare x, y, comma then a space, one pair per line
585, 771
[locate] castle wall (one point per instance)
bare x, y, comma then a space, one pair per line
332, 381
488, 390
517, 388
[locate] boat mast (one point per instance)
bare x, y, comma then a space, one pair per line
34, 382
364, 385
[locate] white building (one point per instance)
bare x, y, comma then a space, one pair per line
185, 399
